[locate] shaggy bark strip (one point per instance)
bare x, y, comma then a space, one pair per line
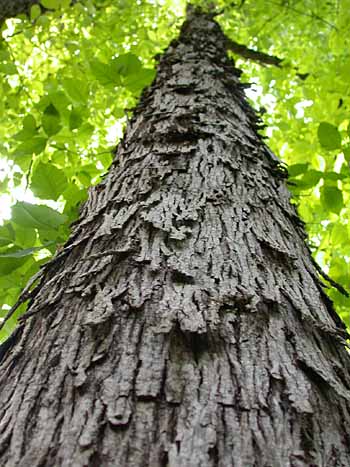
184, 324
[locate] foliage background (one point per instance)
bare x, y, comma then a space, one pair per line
70, 77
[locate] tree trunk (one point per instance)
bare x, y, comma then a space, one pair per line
184, 323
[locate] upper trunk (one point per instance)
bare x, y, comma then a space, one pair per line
184, 323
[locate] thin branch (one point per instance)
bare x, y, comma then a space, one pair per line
259, 57
305, 13
24, 296
251, 54
266, 22
333, 283
29, 172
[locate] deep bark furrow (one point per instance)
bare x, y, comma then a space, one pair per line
184, 323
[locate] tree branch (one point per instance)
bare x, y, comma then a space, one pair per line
260, 57
304, 13
254, 55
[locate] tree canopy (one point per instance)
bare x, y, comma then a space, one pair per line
71, 74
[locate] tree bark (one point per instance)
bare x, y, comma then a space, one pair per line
184, 323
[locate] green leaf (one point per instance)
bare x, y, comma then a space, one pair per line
103, 72
106, 159
7, 265
76, 90
29, 129
84, 178
129, 67
84, 132
334, 176
51, 120
9, 68
346, 152
25, 236
75, 119
136, 82
329, 136
297, 169
7, 235
17, 178
24, 252
51, 4
29, 123
74, 195
339, 234
35, 12
126, 64
37, 216
47, 181
308, 180
35, 145
49, 235
4, 54
60, 101
4, 184
332, 198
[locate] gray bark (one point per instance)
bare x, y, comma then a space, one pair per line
184, 323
